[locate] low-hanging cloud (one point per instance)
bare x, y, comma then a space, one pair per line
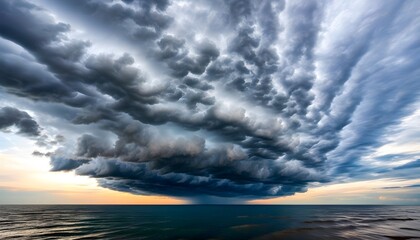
22, 120
256, 100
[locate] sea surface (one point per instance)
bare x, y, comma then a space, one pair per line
209, 222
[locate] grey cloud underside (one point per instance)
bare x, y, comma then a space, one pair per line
22, 120
257, 108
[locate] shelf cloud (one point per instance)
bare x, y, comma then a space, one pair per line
241, 99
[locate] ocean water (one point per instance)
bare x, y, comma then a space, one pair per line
209, 222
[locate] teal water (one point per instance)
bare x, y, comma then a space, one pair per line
208, 222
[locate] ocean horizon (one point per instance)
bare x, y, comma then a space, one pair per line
209, 221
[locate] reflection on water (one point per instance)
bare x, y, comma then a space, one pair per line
209, 222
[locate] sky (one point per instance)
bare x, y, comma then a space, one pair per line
209, 101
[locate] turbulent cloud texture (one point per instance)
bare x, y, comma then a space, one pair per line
13, 117
248, 99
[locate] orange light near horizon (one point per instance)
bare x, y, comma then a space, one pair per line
343, 193
25, 173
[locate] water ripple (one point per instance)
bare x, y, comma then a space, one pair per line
209, 222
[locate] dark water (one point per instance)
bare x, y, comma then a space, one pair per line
209, 222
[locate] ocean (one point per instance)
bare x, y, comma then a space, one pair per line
230, 222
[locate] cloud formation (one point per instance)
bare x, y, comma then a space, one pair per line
409, 165
22, 120
223, 98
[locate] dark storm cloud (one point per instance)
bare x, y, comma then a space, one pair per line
259, 108
197, 84
140, 179
174, 53
65, 164
182, 163
22, 120
24, 75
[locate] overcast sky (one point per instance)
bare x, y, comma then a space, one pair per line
210, 101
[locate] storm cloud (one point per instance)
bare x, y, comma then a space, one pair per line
22, 120
239, 99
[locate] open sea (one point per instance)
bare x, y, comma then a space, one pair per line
209, 222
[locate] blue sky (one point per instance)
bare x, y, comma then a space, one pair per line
210, 101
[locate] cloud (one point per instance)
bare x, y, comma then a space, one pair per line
64, 164
137, 20
399, 187
412, 164
259, 102
22, 120
41, 154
